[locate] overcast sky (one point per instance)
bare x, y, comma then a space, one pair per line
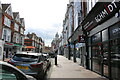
44, 17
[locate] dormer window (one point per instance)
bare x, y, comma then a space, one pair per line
9, 12
7, 21
18, 19
16, 27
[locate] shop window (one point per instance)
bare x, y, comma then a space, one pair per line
115, 58
96, 52
115, 31
96, 56
105, 35
96, 38
115, 51
97, 66
105, 53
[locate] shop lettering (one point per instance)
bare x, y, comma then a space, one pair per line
107, 10
116, 31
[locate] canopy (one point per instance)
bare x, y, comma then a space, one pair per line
30, 47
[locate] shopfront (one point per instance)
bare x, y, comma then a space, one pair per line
105, 49
100, 52
103, 31
8, 48
1, 49
115, 50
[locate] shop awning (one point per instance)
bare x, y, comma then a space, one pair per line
9, 44
17, 45
29, 47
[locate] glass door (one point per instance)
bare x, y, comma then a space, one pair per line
105, 64
97, 56
115, 58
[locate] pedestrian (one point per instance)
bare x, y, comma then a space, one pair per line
9, 54
4, 55
56, 57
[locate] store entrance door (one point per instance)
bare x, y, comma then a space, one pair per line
105, 59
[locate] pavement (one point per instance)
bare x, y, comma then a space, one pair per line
67, 69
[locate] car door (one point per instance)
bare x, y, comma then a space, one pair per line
9, 73
44, 63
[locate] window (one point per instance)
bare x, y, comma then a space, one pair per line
96, 38
7, 75
105, 35
20, 39
115, 31
7, 21
21, 31
5, 35
96, 52
16, 27
18, 19
14, 38
25, 58
115, 58
9, 11
8, 38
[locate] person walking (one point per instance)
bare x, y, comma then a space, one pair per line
4, 55
56, 57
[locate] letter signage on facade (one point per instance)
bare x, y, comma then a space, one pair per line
101, 12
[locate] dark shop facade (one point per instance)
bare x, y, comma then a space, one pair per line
102, 30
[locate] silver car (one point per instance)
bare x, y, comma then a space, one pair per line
33, 64
47, 57
9, 72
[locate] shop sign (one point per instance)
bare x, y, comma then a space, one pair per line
100, 13
81, 39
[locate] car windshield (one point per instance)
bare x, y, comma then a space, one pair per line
25, 58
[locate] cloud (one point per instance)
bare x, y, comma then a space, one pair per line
46, 34
44, 17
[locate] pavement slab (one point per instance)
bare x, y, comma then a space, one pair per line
67, 69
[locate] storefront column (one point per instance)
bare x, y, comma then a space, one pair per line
87, 49
74, 54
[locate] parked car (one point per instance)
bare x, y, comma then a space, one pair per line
48, 59
9, 72
33, 64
